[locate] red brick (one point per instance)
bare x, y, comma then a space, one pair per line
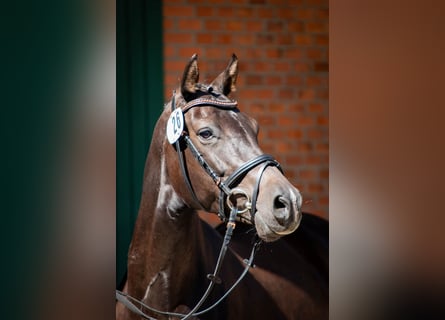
323, 120
307, 174
213, 53
225, 12
322, 94
174, 66
315, 187
213, 25
281, 66
286, 93
314, 81
316, 27
243, 39
303, 39
314, 160
315, 53
315, 134
169, 51
265, 120
322, 14
321, 39
285, 13
306, 94
256, 108
295, 133
295, 26
305, 121
290, 174
276, 107
187, 52
171, 80
189, 24
223, 38
283, 146
294, 160
294, 2
264, 39
274, 26
274, 53
204, 11
234, 25
256, 94
324, 174
178, 11
276, 134
315, 2
254, 80
265, 12
204, 38
296, 108
305, 14
274, 80
253, 54
293, 80
286, 121
315, 107
167, 23
322, 147
301, 67
254, 26
243, 12
284, 39
324, 200
294, 53
178, 37
261, 66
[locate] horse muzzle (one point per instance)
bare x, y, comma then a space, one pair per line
279, 213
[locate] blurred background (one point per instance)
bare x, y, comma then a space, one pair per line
61, 174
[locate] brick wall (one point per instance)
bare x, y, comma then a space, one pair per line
282, 47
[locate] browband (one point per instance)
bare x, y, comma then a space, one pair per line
219, 103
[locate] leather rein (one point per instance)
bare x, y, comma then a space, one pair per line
227, 189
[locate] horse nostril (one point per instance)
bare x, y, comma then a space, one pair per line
281, 210
279, 203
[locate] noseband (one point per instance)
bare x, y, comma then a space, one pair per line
227, 187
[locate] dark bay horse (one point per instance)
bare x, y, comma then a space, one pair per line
173, 250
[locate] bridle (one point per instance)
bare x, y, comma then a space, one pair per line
227, 187
227, 190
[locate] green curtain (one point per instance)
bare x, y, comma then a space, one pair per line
139, 104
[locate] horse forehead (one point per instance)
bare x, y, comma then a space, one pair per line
226, 118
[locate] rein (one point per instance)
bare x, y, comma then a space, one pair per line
228, 189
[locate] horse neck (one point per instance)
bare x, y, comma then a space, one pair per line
165, 244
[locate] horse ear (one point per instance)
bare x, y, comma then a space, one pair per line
190, 77
226, 81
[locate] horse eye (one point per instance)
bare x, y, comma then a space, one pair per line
205, 133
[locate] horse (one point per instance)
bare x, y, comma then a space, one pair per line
204, 155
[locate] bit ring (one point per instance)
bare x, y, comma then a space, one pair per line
237, 191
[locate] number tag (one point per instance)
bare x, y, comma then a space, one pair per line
175, 125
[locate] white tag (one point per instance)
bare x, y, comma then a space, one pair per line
175, 125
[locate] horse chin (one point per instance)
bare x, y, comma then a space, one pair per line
269, 232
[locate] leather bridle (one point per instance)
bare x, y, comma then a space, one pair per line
228, 188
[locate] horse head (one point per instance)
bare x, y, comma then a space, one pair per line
226, 139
